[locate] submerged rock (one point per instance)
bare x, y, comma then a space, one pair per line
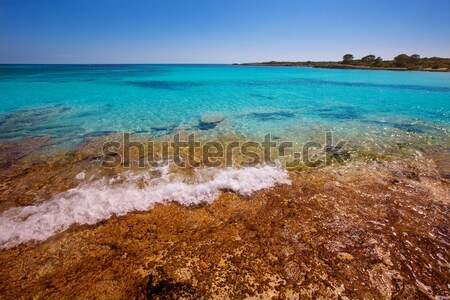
12, 151
272, 114
210, 122
212, 119
339, 112
21, 122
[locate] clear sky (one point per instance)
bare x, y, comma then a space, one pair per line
219, 31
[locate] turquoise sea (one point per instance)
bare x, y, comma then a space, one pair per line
378, 109
71, 102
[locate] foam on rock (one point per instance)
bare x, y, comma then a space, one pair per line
94, 202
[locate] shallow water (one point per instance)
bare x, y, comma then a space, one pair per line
71, 102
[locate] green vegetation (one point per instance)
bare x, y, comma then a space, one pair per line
347, 58
400, 62
413, 62
369, 59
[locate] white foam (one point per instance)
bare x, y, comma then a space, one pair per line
80, 176
93, 202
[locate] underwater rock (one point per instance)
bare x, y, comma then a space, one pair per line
165, 85
416, 128
156, 131
408, 126
210, 122
270, 115
261, 96
212, 119
162, 130
12, 151
26, 119
99, 133
339, 112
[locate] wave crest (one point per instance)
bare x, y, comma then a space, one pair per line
99, 200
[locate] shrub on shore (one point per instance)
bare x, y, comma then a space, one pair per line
401, 61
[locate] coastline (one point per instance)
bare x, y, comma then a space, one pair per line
342, 67
374, 226
380, 218
233, 150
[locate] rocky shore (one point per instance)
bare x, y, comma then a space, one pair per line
374, 229
342, 66
351, 67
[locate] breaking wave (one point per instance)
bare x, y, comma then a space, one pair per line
99, 200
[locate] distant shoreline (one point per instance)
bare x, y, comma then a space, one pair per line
340, 66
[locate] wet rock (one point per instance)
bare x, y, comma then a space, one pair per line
162, 287
12, 151
345, 256
405, 174
364, 238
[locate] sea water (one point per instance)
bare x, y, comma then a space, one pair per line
71, 102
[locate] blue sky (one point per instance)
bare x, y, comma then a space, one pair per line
218, 31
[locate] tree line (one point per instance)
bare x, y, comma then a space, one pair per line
400, 61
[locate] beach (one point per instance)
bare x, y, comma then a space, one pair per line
300, 183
